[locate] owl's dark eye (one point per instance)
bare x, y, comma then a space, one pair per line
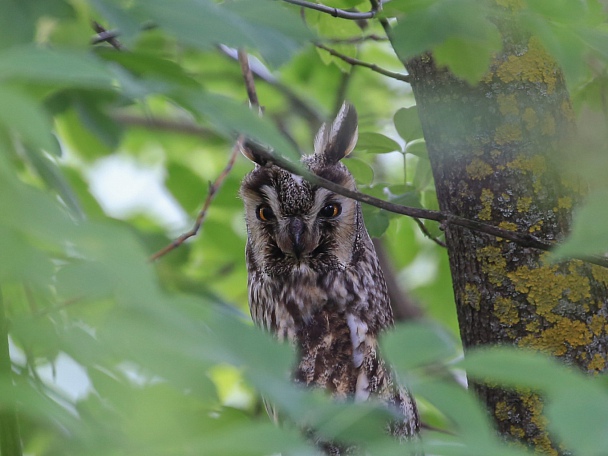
264, 213
331, 210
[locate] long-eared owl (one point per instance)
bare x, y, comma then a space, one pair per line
314, 277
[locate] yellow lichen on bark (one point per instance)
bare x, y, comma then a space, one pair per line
487, 200
548, 126
508, 132
508, 226
472, 296
530, 118
536, 165
506, 311
535, 66
478, 169
507, 104
558, 338
536, 227
597, 325
565, 202
598, 363
600, 274
524, 203
542, 443
545, 286
502, 411
493, 264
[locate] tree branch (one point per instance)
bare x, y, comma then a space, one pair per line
522, 239
213, 188
371, 66
357, 39
200, 219
156, 123
105, 35
248, 77
336, 12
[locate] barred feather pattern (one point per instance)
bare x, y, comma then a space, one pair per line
314, 278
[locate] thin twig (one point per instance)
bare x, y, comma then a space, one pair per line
213, 188
105, 35
335, 12
428, 234
200, 219
248, 77
371, 66
155, 123
307, 110
357, 39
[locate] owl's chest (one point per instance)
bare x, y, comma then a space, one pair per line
284, 306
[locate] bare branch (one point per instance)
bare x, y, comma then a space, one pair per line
213, 188
335, 12
522, 239
155, 123
299, 104
105, 35
248, 77
200, 219
357, 39
371, 66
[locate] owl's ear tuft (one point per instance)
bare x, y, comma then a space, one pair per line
336, 141
254, 152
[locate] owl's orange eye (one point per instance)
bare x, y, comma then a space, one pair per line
264, 213
331, 210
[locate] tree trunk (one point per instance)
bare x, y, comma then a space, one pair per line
494, 149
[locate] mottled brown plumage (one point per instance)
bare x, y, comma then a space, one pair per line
314, 277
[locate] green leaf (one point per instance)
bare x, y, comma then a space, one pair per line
588, 236
120, 18
520, 368
376, 221
54, 67
263, 25
376, 143
418, 148
460, 32
53, 177
407, 124
361, 171
579, 416
424, 174
187, 187
22, 115
468, 59
415, 345
231, 118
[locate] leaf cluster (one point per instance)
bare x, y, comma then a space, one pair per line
161, 358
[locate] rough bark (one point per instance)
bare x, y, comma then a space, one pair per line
494, 150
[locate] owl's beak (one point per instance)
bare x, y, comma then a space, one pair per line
296, 235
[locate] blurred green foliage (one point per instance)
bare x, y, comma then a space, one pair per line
171, 361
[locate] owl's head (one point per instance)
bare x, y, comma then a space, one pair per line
293, 225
